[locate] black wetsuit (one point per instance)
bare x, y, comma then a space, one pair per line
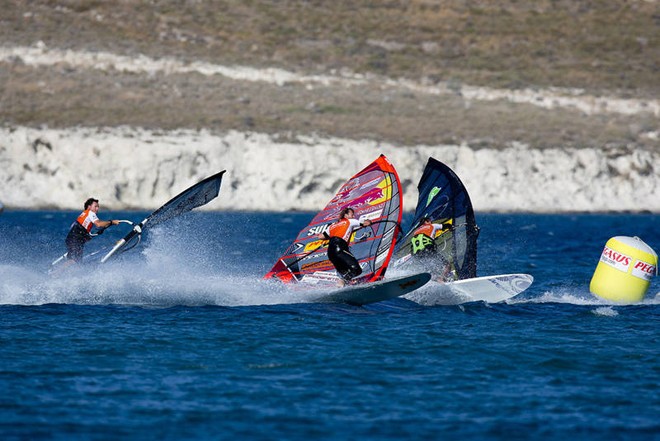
75, 241
345, 263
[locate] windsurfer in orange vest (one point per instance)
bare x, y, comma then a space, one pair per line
429, 230
81, 228
340, 233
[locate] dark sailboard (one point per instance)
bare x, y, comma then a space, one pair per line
366, 293
444, 199
199, 194
375, 194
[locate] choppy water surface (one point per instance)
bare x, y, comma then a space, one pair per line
182, 339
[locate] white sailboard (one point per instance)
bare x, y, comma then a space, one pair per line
489, 289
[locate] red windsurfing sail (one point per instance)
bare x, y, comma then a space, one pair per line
375, 194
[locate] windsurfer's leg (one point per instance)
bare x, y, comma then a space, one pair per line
354, 269
335, 255
346, 265
74, 249
351, 264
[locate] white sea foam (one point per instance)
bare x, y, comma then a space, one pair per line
568, 295
606, 311
652, 299
140, 286
160, 274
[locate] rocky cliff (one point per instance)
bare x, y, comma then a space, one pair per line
129, 168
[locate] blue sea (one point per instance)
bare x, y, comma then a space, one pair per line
182, 339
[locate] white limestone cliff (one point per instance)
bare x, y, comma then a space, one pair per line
132, 168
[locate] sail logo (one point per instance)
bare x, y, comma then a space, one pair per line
313, 246
370, 196
319, 229
346, 191
317, 266
615, 259
643, 270
350, 194
433, 193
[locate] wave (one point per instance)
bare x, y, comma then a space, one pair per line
147, 286
581, 297
126, 284
171, 271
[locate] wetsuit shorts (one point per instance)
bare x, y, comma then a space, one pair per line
345, 263
75, 242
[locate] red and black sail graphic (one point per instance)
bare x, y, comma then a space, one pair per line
375, 194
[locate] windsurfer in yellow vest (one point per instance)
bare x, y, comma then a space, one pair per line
423, 247
81, 228
340, 233
428, 230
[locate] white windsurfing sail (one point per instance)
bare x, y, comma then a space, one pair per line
199, 194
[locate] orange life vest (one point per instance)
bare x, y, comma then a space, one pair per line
342, 228
426, 229
85, 220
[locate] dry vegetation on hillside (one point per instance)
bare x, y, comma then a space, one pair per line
606, 47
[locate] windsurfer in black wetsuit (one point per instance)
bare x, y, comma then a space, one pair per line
424, 248
339, 234
80, 230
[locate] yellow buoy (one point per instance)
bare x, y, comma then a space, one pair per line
624, 271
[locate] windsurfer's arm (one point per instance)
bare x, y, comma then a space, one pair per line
104, 224
366, 223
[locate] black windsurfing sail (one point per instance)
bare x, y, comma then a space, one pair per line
444, 199
199, 194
